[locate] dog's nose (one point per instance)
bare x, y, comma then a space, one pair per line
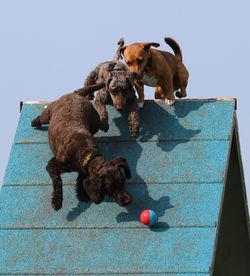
118, 105
119, 108
135, 76
123, 198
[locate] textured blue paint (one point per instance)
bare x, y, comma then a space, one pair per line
165, 162
186, 120
178, 166
177, 205
106, 250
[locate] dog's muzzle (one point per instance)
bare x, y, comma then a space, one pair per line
135, 76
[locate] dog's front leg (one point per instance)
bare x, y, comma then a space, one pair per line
159, 93
80, 191
55, 174
140, 90
133, 117
100, 103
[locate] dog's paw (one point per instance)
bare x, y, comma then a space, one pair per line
134, 129
141, 104
56, 203
178, 94
36, 122
169, 102
134, 132
104, 126
82, 196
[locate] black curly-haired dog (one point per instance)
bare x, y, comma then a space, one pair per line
72, 123
118, 92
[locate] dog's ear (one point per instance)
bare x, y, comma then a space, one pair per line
149, 44
122, 164
93, 186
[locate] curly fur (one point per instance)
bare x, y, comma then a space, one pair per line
119, 91
72, 123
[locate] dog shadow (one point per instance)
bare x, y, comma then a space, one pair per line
143, 201
180, 107
164, 127
159, 126
78, 210
140, 190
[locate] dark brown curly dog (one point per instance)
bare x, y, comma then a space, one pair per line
72, 123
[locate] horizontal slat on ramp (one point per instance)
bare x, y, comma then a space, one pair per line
184, 121
176, 206
164, 162
106, 251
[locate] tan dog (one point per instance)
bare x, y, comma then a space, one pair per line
159, 69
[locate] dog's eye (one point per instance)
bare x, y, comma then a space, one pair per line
128, 63
115, 93
140, 60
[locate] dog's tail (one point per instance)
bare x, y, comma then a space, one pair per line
175, 46
118, 55
90, 89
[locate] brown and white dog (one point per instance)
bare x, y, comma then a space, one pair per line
156, 68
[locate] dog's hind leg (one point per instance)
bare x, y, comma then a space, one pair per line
80, 191
55, 168
181, 81
168, 89
43, 119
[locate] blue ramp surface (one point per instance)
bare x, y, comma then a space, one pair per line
178, 164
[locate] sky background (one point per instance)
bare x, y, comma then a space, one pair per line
47, 48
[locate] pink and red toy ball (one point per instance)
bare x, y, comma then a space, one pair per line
148, 217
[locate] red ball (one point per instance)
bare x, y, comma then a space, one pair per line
148, 217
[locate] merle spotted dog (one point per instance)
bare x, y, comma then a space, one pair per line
72, 123
119, 91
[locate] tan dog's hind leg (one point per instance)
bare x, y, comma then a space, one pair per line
168, 89
182, 81
140, 90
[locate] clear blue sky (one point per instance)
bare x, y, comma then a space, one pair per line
48, 47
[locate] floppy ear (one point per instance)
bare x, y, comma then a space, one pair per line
122, 164
149, 44
94, 188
